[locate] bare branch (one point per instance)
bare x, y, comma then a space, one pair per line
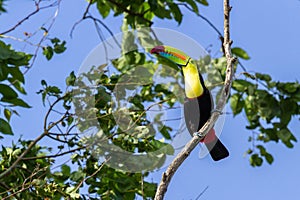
55, 155
200, 195
168, 174
202, 17
37, 9
96, 21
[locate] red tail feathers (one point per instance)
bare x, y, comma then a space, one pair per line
210, 137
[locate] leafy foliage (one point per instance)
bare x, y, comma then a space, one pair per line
269, 107
30, 180
11, 83
2, 9
141, 12
58, 48
127, 126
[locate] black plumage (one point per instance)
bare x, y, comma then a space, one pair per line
196, 113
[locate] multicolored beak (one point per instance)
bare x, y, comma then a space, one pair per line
172, 54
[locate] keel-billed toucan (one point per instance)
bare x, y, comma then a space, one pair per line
198, 102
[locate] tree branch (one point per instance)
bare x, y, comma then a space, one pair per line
93, 174
200, 195
96, 21
55, 155
38, 8
168, 174
34, 142
204, 18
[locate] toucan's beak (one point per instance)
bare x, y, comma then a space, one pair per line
158, 49
172, 54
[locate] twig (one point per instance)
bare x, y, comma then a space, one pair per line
198, 197
55, 155
168, 174
34, 142
45, 34
20, 40
202, 17
95, 172
86, 15
38, 8
25, 185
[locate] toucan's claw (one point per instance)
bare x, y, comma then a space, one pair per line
199, 134
218, 111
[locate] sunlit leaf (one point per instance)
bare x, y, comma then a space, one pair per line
5, 127
239, 52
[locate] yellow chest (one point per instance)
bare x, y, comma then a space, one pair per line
192, 84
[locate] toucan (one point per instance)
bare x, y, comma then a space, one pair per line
198, 103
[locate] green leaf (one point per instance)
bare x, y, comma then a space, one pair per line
284, 134
43, 83
289, 87
203, 2
12, 57
17, 74
263, 77
16, 102
176, 12
53, 90
102, 98
3, 72
149, 189
70, 80
60, 48
193, 5
77, 176
48, 52
153, 4
288, 107
18, 85
269, 158
239, 52
165, 132
248, 75
241, 85
261, 149
5, 51
250, 108
65, 169
70, 120
236, 103
256, 160
55, 40
2, 9
5, 127
169, 149
103, 8
7, 114
7, 92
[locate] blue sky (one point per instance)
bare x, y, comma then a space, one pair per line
269, 31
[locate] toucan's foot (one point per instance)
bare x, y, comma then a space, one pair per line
209, 137
217, 110
199, 134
